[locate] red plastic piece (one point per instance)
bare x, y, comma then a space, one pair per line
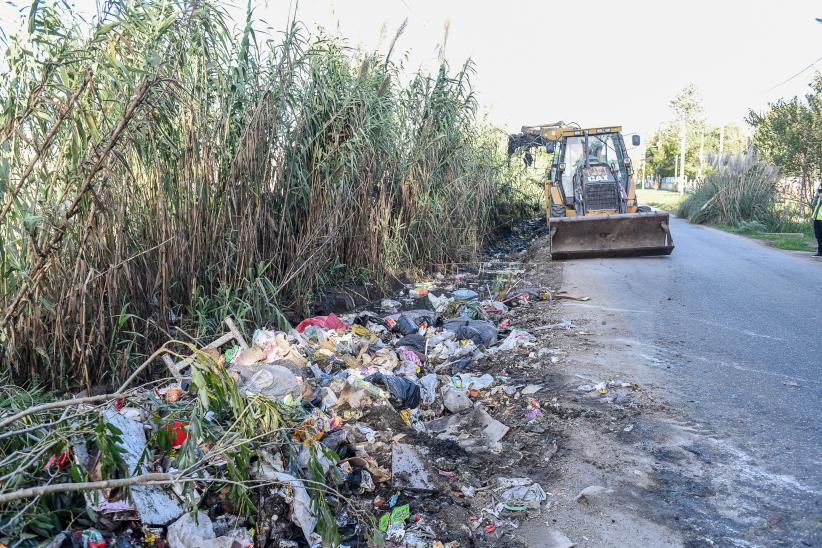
326, 322
178, 431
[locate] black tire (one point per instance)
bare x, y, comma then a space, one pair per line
557, 210
643, 209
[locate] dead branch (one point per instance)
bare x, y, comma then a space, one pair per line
38, 153
85, 486
73, 208
88, 399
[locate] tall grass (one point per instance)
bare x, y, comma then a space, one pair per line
159, 171
741, 190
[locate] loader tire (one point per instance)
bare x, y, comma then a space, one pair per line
643, 209
557, 210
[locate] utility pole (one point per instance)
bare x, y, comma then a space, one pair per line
643, 172
676, 168
721, 144
682, 155
701, 150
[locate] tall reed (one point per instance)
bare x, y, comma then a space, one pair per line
158, 171
741, 189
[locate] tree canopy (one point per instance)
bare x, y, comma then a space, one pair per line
663, 147
789, 135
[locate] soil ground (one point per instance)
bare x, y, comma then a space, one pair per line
665, 478
615, 440
628, 444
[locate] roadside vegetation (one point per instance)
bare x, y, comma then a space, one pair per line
792, 236
741, 189
742, 196
161, 172
659, 199
765, 190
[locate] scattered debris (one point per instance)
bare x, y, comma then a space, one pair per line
571, 297
379, 409
591, 493
408, 469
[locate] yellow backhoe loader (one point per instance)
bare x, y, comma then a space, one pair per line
590, 197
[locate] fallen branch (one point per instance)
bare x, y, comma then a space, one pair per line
84, 486
88, 399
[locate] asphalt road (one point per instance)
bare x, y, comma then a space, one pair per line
734, 329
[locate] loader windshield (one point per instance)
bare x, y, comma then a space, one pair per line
609, 150
602, 149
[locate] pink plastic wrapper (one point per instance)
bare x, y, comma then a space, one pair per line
409, 355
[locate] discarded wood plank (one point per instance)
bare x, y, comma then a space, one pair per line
233, 334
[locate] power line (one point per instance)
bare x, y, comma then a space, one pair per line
794, 76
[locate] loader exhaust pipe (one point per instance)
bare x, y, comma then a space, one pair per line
618, 235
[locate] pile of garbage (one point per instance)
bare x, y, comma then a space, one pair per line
346, 430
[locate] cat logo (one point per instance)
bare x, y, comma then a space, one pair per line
598, 179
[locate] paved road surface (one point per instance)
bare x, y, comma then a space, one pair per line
735, 331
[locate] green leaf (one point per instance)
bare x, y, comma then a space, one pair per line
35, 5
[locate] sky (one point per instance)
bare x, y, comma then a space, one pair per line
593, 62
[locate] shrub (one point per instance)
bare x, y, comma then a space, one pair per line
742, 189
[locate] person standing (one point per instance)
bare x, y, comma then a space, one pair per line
816, 206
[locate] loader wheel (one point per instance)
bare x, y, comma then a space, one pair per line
643, 209
557, 210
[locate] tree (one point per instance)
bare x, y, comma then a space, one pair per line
664, 146
789, 135
687, 106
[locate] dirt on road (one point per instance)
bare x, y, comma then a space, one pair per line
597, 416
613, 429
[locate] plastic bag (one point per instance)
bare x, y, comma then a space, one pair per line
405, 390
521, 492
477, 382
406, 369
270, 380
465, 294
439, 303
405, 325
414, 341
326, 322
276, 346
454, 399
479, 331
516, 338
188, 531
428, 388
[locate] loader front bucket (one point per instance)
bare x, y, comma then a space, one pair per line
621, 235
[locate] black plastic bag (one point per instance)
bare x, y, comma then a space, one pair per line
483, 333
414, 341
405, 390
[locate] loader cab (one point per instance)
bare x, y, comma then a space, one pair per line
577, 149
